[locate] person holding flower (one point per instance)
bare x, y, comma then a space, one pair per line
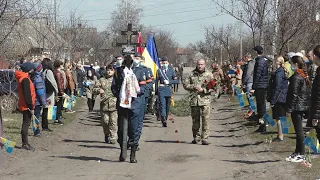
200, 84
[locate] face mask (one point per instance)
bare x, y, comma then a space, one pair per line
293, 68
119, 62
136, 62
142, 63
166, 66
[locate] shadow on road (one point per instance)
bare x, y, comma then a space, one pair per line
219, 119
168, 141
84, 158
100, 147
244, 145
227, 109
236, 122
81, 141
251, 162
226, 136
89, 124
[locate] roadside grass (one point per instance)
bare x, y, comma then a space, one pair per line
13, 121
181, 107
283, 149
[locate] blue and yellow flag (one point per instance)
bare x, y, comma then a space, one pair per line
286, 125
8, 145
242, 99
151, 56
52, 112
252, 102
35, 123
311, 141
268, 118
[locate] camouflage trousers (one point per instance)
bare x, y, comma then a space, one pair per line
151, 104
198, 112
109, 122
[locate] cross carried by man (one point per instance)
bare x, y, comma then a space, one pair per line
129, 47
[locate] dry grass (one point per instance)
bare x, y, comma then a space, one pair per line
13, 121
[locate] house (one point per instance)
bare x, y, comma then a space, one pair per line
31, 38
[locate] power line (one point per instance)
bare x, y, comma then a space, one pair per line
145, 10
191, 20
160, 14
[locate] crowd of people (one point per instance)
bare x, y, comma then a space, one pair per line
125, 86
129, 90
290, 83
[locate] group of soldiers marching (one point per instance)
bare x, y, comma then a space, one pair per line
117, 84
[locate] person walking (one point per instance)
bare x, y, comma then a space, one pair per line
70, 85
81, 74
108, 110
178, 75
180, 70
200, 101
129, 78
278, 93
27, 100
166, 78
260, 85
89, 83
298, 102
239, 74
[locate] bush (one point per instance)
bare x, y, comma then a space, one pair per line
181, 107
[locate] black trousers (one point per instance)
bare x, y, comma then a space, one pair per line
90, 103
45, 118
297, 123
261, 95
59, 107
26, 120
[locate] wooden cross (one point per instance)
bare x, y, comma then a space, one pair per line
129, 33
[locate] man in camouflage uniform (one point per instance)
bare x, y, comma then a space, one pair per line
108, 102
200, 101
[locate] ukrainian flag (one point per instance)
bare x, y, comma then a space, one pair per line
151, 56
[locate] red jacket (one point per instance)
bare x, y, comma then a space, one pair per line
26, 91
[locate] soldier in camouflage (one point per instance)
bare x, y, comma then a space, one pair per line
200, 101
108, 102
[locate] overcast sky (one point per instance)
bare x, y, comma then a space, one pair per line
185, 18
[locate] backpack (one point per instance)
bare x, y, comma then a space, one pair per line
49, 88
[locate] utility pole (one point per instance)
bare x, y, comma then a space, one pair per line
126, 11
221, 54
55, 14
241, 53
274, 46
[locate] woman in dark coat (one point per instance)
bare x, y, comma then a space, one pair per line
81, 74
278, 94
298, 102
314, 115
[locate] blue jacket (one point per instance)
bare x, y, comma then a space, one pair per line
117, 83
261, 73
39, 87
166, 90
150, 81
278, 87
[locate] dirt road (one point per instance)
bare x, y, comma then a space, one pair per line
79, 153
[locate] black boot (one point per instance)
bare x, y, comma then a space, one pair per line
121, 158
164, 121
133, 154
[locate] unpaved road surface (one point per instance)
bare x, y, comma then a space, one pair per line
78, 152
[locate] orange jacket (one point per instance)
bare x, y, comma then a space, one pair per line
26, 91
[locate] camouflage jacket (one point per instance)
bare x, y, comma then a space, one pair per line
108, 101
195, 79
